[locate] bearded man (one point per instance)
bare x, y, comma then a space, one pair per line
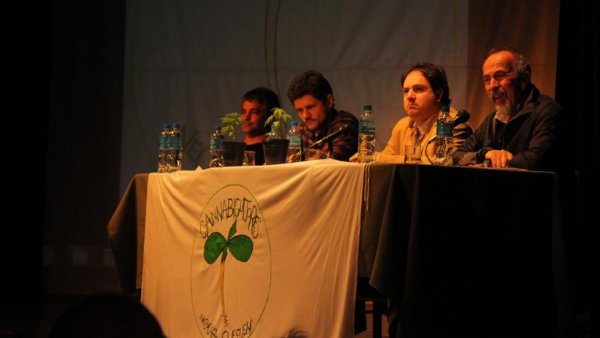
527, 130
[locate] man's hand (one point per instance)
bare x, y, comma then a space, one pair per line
293, 158
499, 158
354, 158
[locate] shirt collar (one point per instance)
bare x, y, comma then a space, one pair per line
425, 127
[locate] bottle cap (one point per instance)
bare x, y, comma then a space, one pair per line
166, 126
367, 106
294, 123
176, 125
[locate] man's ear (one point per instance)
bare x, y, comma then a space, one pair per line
330, 101
525, 81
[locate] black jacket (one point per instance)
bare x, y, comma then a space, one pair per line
537, 136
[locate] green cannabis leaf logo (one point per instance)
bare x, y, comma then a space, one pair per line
240, 246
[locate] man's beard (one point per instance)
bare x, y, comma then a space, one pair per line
505, 110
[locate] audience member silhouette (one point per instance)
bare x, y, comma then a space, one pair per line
107, 315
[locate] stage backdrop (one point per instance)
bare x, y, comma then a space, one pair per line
191, 61
255, 251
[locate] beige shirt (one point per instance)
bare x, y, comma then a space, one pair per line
405, 132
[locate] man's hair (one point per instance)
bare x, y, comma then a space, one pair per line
265, 97
520, 64
309, 83
435, 75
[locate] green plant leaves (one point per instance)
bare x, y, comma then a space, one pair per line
230, 124
279, 119
240, 246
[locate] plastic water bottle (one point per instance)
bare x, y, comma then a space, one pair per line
163, 139
216, 150
175, 152
366, 135
443, 142
295, 142
272, 134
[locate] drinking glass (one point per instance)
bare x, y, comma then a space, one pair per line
249, 158
412, 153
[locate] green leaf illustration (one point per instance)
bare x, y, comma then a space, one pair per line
232, 230
241, 247
215, 244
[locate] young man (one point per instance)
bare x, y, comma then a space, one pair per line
312, 97
425, 90
257, 105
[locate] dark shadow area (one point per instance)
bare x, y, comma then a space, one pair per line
577, 89
107, 315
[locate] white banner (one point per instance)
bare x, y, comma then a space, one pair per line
254, 251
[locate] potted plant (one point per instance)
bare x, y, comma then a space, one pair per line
232, 149
275, 145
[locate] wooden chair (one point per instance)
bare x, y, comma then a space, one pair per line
366, 293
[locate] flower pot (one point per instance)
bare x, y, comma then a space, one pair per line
275, 150
233, 153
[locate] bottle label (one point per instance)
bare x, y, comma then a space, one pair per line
294, 141
366, 140
366, 127
444, 129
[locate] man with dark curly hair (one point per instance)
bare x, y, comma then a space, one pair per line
312, 97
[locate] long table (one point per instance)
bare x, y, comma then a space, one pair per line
458, 251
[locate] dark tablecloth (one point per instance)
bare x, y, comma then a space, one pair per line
466, 252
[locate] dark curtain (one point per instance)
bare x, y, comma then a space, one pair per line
578, 92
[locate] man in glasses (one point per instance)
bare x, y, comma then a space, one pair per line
527, 130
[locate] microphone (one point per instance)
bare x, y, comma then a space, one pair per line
331, 135
342, 129
461, 117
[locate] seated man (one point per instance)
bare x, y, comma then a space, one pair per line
257, 105
312, 97
425, 90
527, 130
